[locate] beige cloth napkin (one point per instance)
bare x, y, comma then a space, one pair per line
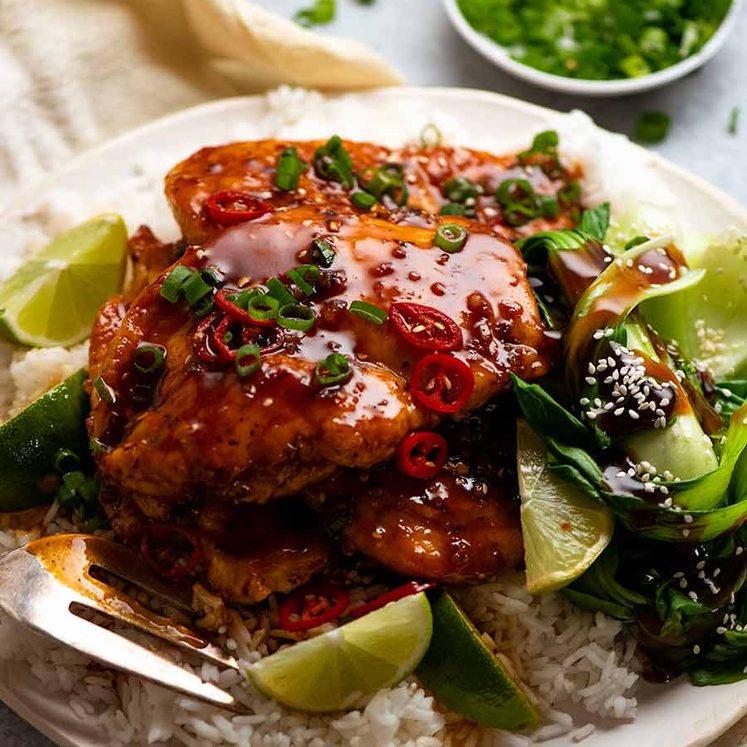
76, 72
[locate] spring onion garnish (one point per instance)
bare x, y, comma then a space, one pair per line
305, 278
248, 360
290, 168
278, 290
461, 189
450, 237
333, 163
149, 358
320, 13
652, 127
322, 253
297, 316
104, 390
387, 180
261, 307
733, 126
242, 299
363, 200
430, 136
195, 288
66, 461
569, 194
521, 203
452, 208
334, 369
171, 289
636, 242
368, 311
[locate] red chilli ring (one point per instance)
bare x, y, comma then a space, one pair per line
442, 383
422, 454
230, 207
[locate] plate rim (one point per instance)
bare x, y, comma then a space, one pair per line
714, 728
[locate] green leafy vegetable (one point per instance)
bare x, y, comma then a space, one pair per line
708, 320
652, 127
596, 222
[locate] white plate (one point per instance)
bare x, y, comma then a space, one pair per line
124, 176
499, 56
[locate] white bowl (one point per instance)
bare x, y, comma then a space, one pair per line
500, 57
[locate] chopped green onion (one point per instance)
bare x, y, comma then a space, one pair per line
149, 358
171, 289
243, 298
305, 278
460, 189
212, 276
387, 180
569, 194
548, 206
333, 163
262, 307
320, 13
248, 360
66, 461
104, 390
368, 311
451, 237
544, 144
430, 136
278, 290
518, 200
290, 168
203, 307
363, 200
334, 369
322, 253
733, 127
451, 208
297, 316
652, 127
195, 289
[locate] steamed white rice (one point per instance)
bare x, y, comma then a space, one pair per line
573, 661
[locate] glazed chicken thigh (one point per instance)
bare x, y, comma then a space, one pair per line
217, 428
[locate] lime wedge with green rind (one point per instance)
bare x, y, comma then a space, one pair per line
53, 297
30, 441
468, 678
337, 670
564, 530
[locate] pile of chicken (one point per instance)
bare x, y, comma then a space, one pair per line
263, 482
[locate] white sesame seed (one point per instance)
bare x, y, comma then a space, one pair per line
739, 550
688, 518
693, 596
683, 583
701, 575
701, 564
590, 380
721, 630
668, 502
591, 415
619, 411
592, 368
584, 401
716, 572
633, 414
685, 533
621, 473
696, 649
679, 574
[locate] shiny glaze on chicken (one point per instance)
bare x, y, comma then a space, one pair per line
209, 442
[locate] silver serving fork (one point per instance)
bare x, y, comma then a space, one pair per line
43, 584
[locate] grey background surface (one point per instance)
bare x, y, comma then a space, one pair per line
416, 37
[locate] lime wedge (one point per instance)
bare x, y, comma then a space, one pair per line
468, 678
564, 530
53, 297
30, 441
336, 670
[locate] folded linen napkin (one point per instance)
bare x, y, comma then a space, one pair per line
76, 72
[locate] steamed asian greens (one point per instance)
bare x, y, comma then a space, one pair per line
649, 419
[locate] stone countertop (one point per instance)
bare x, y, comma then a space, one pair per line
418, 39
